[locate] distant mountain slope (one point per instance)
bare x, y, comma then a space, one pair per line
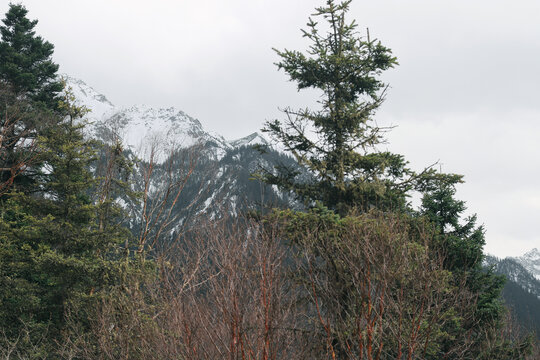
524, 305
531, 262
141, 126
215, 175
521, 292
517, 273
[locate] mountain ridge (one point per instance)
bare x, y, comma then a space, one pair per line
172, 151
139, 126
521, 292
531, 261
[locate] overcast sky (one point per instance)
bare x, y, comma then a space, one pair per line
466, 93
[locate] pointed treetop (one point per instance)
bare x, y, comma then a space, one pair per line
26, 59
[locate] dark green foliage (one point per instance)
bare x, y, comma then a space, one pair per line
19, 150
461, 242
25, 59
338, 143
53, 251
29, 92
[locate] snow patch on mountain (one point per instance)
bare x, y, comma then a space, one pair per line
514, 271
149, 131
85, 95
250, 140
531, 262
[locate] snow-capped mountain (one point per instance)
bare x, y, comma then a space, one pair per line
143, 129
531, 262
250, 140
97, 103
514, 271
214, 176
521, 291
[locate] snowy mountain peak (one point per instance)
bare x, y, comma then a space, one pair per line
143, 129
141, 126
532, 254
531, 261
251, 139
96, 102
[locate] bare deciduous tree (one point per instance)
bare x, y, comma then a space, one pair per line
374, 290
225, 296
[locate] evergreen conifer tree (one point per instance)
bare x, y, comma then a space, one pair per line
338, 143
25, 59
53, 249
29, 89
462, 243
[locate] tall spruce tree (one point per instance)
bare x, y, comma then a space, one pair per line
26, 59
462, 243
54, 250
29, 88
19, 145
337, 144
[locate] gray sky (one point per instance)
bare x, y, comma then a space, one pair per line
466, 93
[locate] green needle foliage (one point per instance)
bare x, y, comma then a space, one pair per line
350, 178
25, 59
462, 242
62, 243
337, 144
55, 253
29, 91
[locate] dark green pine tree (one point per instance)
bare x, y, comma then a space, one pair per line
26, 59
55, 249
19, 149
337, 144
29, 89
462, 242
